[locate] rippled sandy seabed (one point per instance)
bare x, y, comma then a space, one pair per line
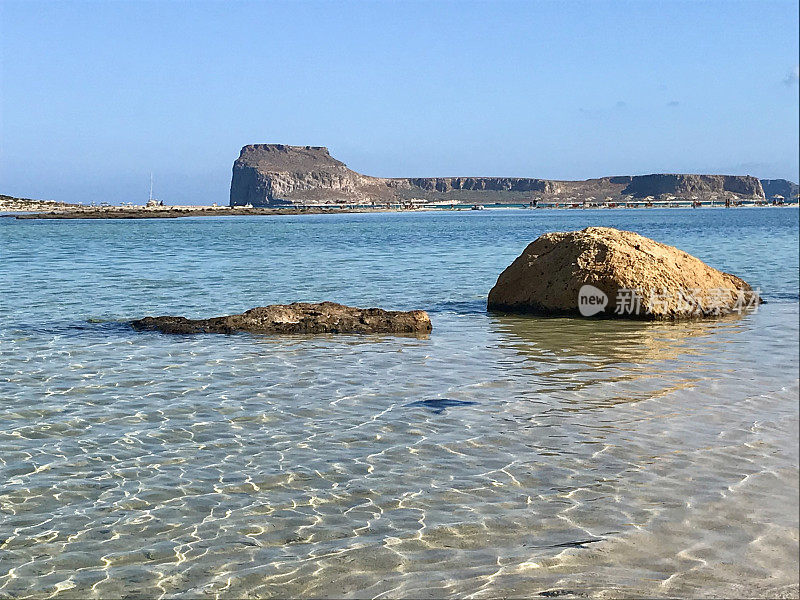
501, 456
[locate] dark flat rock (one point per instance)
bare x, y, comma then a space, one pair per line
300, 317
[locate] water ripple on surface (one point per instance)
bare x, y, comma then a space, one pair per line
503, 456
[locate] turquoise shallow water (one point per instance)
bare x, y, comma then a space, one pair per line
570, 456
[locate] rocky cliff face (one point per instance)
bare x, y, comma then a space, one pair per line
687, 185
495, 184
275, 174
272, 174
780, 187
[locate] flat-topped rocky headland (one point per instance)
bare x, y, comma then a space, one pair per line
278, 174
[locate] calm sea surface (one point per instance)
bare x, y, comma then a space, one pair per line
501, 456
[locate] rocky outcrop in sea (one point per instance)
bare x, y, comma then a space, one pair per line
605, 272
300, 317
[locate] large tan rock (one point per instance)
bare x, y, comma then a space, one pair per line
611, 273
300, 317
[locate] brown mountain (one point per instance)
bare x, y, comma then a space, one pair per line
275, 174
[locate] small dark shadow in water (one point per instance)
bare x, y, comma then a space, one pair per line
781, 298
88, 326
460, 307
439, 405
576, 544
559, 592
572, 544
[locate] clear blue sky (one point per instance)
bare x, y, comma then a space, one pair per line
96, 95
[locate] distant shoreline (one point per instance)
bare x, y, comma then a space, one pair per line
23, 208
176, 212
205, 211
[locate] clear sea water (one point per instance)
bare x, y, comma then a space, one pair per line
501, 456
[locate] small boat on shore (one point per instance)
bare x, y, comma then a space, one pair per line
477, 207
152, 202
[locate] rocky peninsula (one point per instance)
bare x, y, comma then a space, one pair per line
281, 175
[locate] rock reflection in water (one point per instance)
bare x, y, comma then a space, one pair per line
612, 341
590, 363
